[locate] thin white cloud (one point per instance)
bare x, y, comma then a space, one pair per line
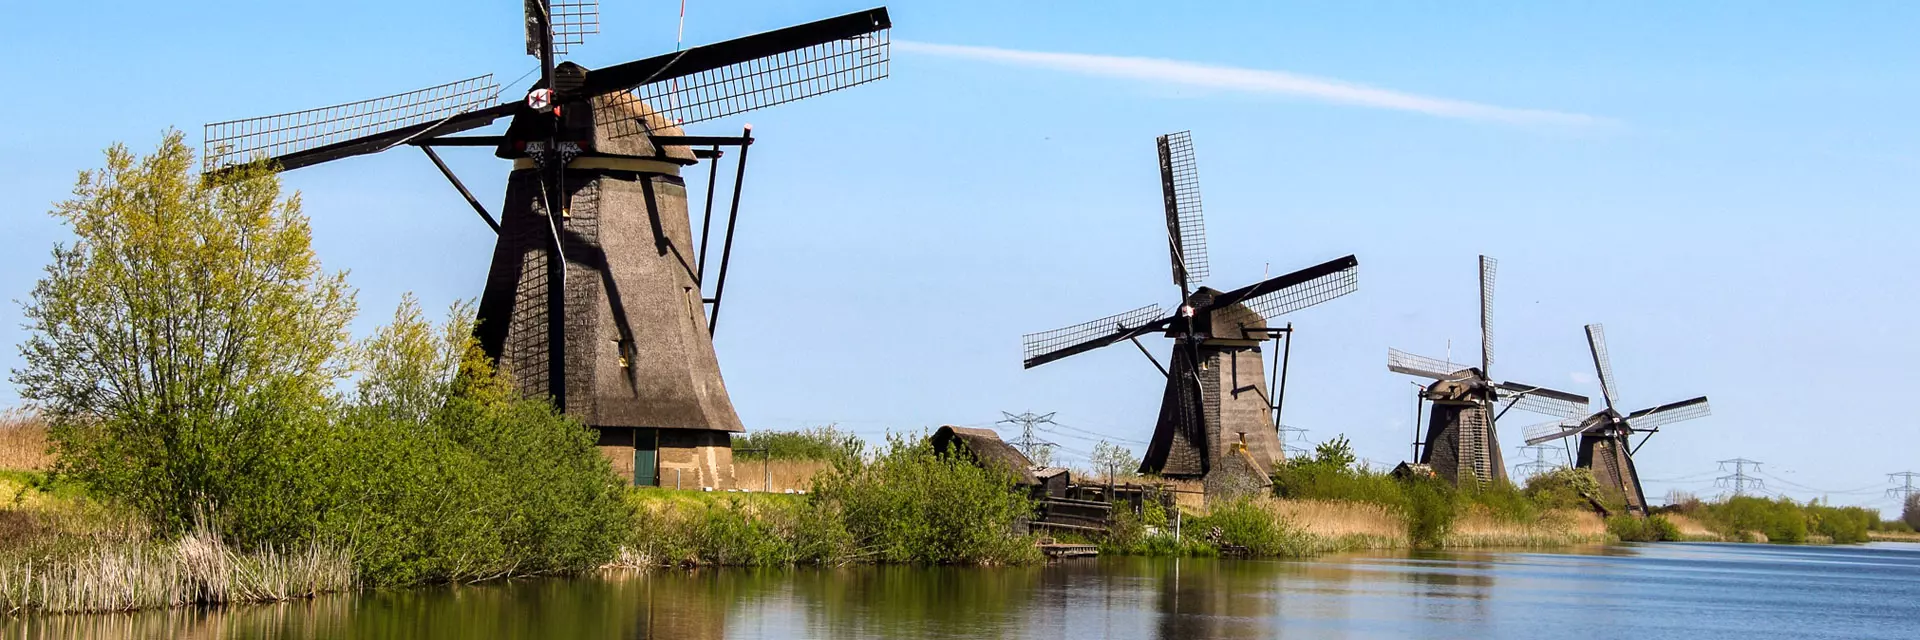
1244, 80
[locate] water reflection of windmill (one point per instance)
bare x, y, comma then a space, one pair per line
1215, 395
1604, 437
1461, 444
596, 295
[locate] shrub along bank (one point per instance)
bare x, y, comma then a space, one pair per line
905, 504
1782, 520
188, 355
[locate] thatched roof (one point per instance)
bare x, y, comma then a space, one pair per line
985, 447
642, 117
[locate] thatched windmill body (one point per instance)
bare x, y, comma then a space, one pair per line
1461, 443
1605, 437
597, 296
1215, 408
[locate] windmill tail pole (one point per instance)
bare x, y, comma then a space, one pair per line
1280, 396
733, 216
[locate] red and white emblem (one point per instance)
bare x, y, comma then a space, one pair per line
540, 99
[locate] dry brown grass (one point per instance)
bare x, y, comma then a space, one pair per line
1691, 529
1893, 536
1343, 520
23, 441
1555, 529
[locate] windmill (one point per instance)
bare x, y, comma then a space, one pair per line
602, 307
1215, 397
1604, 437
1461, 442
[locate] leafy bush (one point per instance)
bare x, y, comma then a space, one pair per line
1739, 517
1845, 525
730, 530
911, 505
1636, 529
1331, 475
1243, 523
819, 443
1431, 510
1502, 501
1564, 488
441, 472
1310, 481
906, 505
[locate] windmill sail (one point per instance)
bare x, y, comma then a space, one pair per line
1545, 401
1597, 344
572, 21
1180, 194
1488, 269
1653, 418
1048, 346
1307, 287
758, 71
1551, 430
1415, 365
302, 138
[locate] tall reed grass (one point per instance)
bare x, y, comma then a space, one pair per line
23, 442
126, 574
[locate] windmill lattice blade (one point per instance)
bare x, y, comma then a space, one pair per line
744, 74
302, 138
1489, 267
1180, 193
1306, 294
1402, 362
1656, 417
1549, 431
1546, 401
1602, 364
1048, 346
1295, 291
572, 21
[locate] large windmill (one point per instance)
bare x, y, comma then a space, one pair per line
1461, 442
602, 307
1604, 437
1216, 396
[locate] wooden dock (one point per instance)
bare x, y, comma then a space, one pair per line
1058, 550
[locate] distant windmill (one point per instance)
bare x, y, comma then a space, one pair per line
1461, 443
596, 292
1604, 446
1215, 395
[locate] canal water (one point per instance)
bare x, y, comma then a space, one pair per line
1630, 591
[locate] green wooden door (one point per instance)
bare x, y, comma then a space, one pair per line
646, 457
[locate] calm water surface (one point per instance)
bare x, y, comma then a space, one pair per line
1638, 591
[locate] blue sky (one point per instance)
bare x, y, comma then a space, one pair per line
1727, 186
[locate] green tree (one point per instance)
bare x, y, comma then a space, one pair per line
1114, 460
409, 368
1910, 511
1336, 453
186, 339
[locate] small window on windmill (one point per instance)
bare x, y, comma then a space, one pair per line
621, 346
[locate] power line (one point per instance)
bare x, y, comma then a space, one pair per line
1906, 491
1027, 421
1098, 434
1537, 464
1298, 434
1740, 481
